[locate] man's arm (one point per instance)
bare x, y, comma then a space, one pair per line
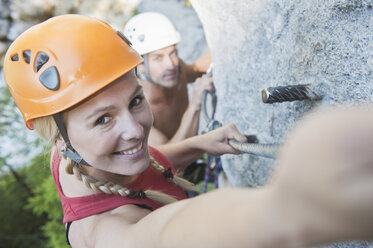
156, 137
199, 67
190, 120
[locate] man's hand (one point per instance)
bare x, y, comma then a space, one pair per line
200, 85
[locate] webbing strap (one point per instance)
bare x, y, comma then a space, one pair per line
146, 64
69, 151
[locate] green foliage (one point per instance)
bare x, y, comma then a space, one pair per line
30, 210
210, 186
31, 218
19, 227
46, 202
188, 3
55, 232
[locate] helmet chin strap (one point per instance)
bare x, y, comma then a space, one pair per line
147, 74
68, 151
147, 77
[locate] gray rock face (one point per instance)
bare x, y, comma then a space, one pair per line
257, 44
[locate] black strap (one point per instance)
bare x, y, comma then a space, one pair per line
61, 127
146, 65
70, 151
67, 232
69, 223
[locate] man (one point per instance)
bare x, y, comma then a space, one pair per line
164, 77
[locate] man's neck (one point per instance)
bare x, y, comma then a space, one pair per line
158, 92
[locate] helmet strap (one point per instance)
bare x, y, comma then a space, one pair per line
147, 74
179, 77
68, 151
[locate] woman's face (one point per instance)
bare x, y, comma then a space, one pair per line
110, 130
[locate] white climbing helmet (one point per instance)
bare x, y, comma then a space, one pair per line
150, 31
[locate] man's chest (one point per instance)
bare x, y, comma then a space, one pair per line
168, 114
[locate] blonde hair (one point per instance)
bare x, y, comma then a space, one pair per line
47, 129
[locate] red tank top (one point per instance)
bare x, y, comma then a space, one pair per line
75, 208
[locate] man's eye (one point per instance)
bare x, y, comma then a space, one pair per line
102, 120
173, 54
136, 101
157, 58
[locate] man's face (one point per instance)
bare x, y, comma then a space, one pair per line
163, 66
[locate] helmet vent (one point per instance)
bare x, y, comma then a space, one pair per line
40, 60
141, 37
26, 56
50, 78
14, 57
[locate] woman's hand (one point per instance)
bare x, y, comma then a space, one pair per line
216, 141
324, 176
183, 153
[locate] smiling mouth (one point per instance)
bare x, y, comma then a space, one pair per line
131, 151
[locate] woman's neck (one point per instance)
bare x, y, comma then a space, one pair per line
105, 176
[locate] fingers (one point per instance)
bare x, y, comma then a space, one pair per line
234, 133
205, 83
222, 135
208, 84
200, 85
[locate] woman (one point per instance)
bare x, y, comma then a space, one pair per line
73, 79
79, 90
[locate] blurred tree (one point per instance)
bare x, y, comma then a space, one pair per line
30, 210
19, 227
46, 203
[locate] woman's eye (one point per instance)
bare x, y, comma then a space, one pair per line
102, 120
136, 101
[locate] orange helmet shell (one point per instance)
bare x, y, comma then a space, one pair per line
58, 63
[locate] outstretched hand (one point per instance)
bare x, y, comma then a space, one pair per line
325, 173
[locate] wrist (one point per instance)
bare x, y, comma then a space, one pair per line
303, 221
194, 108
282, 222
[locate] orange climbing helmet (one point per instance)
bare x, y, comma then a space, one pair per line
58, 63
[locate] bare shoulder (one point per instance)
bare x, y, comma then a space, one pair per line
108, 229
